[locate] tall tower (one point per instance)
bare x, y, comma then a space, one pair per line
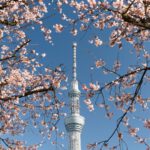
74, 122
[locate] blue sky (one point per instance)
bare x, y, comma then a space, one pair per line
97, 127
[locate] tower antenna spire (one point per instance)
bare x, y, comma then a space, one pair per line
74, 46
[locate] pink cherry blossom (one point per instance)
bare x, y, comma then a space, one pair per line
92, 3
133, 131
58, 28
99, 63
147, 124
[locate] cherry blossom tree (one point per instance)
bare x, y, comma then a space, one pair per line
28, 96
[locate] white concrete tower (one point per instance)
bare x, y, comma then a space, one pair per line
74, 122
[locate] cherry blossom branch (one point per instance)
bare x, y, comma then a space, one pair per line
129, 7
4, 5
111, 71
9, 23
51, 88
127, 110
142, 23
16, 50
5, 142
121, 78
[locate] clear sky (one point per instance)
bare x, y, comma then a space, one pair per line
97, 126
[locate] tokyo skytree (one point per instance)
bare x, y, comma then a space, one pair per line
74, 122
